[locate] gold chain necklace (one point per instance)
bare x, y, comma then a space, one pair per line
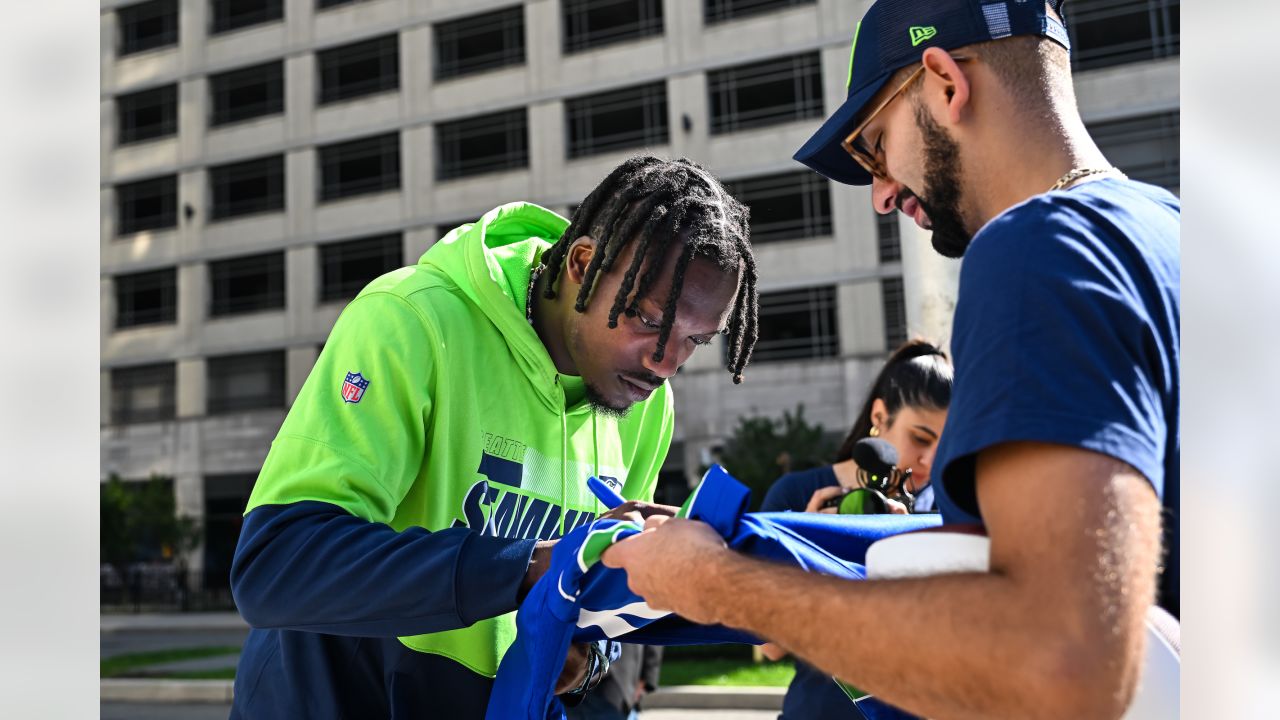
1075, 174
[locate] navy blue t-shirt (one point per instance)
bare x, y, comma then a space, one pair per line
1066, 331
812, 695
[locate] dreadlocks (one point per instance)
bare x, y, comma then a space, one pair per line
652, 202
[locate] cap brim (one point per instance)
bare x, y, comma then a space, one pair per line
823, 151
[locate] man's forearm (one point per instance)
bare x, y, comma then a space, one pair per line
1054, 630
868, 632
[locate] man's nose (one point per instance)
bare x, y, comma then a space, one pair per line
672, 358
884, 195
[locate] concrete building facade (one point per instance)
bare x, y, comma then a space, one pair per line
261, 160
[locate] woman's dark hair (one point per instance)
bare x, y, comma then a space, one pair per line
917, 374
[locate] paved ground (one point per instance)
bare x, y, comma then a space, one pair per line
132, 641
158, 711
127, 633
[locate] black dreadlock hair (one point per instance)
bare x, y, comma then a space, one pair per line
651, 201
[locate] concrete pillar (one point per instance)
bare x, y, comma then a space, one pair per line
188, 500
190, 392
300, 96
301, 183
193, 32
416, 241
417, 173
297, 366
193, 120
547, 151
302, 282
193, 305
929, 282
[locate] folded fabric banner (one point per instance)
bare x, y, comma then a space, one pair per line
580, 600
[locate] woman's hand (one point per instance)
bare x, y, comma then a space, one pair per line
822, 496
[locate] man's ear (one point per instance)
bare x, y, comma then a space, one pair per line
578, 257
942, 72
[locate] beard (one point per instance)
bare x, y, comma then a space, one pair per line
941, 198
602, 406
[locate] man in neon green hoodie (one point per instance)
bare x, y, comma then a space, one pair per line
442, 440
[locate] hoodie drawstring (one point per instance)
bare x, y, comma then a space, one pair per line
595, 458
564, 459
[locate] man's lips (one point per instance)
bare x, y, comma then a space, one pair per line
911, 206
636, 387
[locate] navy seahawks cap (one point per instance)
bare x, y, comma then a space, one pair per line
894, 34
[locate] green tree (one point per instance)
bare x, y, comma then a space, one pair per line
762, 449
139, 522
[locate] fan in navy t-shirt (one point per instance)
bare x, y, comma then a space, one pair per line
1066, 332
1063, 433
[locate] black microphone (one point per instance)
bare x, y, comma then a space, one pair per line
876, 460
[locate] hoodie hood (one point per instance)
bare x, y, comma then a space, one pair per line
491, 261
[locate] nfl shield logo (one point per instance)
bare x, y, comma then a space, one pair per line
353, 387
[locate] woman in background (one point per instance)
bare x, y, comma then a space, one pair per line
907, 407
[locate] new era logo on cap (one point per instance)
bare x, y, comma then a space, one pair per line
920, 34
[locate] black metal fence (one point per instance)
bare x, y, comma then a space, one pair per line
161, 586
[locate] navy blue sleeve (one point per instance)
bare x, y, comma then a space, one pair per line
794, 490
778, 497
1054, 341
314, 566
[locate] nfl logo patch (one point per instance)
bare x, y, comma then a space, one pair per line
353, 387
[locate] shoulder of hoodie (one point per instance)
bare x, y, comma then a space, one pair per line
428, 293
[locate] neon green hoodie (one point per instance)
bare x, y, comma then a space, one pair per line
435, 404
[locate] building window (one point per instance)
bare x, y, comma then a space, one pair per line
592, 23
360, 167
147, 205
480, 42
888, 237
765, 93
483, 144
1145, 148
1112, 32
244, 382
894, 300
326, 4
247, 188
143, 393
786, 206
797, 325
147, 115
714, 11
147, 26
231, 15
247, 93
246, 284
616, 120
346, 267
359, 69
147, 298
225, 500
